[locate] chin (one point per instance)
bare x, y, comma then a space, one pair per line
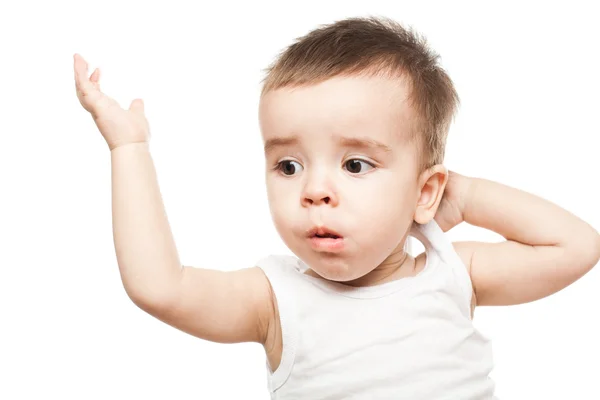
332, 268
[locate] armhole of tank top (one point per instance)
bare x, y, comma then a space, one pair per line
277, 271
458, 267
462, 276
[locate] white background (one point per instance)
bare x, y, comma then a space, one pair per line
528, 79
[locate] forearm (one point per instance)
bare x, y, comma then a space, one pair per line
144, 245
523, 217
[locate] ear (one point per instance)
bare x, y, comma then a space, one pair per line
432, 183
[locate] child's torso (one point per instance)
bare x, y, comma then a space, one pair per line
410, 338
274, 344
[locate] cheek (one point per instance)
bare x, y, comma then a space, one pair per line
383, 215
282, 201
383, 198
383, 226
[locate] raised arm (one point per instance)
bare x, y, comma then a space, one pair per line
546, 249
226, 307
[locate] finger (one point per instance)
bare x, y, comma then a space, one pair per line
95, 77
75, 61
79, 66
137, 106
81, 74
79, 70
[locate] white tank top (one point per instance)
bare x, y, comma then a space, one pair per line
412, 338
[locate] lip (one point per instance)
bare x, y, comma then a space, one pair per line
330, 245
321, 231
326, 244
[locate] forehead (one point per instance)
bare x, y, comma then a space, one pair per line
350, 106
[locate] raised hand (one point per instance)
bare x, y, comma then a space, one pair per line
452, 206
118, 126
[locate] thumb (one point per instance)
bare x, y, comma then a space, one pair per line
137, 106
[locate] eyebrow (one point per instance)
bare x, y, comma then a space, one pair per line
356, 142
275, 142
365, 143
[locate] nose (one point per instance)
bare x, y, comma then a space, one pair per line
318, 191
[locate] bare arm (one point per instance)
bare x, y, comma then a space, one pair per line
144, 245
214, 305
547, 247
228, 307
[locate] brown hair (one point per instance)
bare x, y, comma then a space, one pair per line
373, 46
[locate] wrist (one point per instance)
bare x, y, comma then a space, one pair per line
469, 185
133, 146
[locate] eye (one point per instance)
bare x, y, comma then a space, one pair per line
289, 167
356, 166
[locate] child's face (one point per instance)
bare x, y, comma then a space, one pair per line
366, 194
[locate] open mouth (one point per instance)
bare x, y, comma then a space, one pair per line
327, 235
323, 239
323, 233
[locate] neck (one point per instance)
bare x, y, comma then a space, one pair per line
397, 265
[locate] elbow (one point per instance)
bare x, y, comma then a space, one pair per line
595, 249
152, 296
586, 250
